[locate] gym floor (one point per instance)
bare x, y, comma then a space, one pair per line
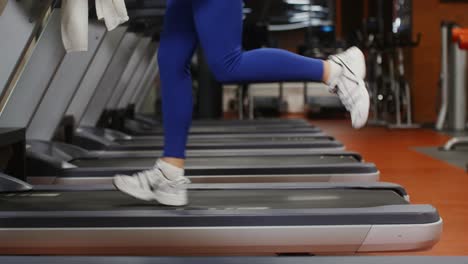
427, 180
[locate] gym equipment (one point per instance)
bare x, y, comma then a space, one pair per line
320, 42
150, 120
63, 83
402, 25
401, 87
139, 130
99, 139
396, 94
45, 158
390, 90
12, 152
26, 16
281, 218
253, 218
74, 74
316, 19
73, 165
89, 117
452, 114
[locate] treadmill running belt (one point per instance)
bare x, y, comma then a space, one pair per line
220, 162
244, 129
302, 139
202, 200
239, 208
240, 144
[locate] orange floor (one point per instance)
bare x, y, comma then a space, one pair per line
427, 180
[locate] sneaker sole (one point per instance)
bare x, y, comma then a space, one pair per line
170, 200
363, 115
160, 197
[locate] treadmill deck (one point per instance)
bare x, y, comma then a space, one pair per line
250, 221
300, 168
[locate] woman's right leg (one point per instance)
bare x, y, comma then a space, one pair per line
178, 43
166, 183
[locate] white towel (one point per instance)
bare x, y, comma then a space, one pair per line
113, 12
75, 25
75, 20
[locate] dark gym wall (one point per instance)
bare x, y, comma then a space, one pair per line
427, 15
352, 15
289, 40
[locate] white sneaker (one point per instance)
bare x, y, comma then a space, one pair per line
350, 85
152, 185
173, 193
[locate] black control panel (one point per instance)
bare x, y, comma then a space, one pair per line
12, 152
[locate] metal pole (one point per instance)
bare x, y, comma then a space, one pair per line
240, 102
442, 117
459, 100
444, 76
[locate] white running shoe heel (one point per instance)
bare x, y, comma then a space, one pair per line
350, 85
152, 185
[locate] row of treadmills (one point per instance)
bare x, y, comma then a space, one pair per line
259, 187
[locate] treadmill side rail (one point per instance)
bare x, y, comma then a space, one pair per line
10, 184
402, 238
212, 240
166, 241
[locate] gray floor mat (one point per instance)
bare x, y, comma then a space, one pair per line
456, 158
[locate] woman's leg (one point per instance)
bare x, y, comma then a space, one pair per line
178, 43
166, 183
219, 27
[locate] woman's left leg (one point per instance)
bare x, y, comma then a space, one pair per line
219, 28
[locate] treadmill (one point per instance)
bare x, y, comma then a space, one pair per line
247, 134
220, 219
81, 105
135, 71
142, 130
151, 120
101, 139
43, 116
256, 218
103, 91
130, 98
71, 165
62, 82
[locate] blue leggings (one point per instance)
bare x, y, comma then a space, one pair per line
217, 26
